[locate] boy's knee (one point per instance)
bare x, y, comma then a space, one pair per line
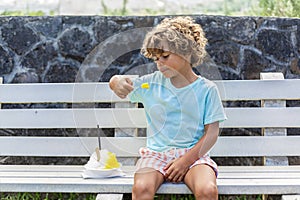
143, 190
207, 191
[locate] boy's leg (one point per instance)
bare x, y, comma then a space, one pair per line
146, 183
201, 179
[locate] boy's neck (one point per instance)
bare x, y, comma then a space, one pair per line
182, 80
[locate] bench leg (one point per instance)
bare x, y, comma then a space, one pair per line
290, 197
109, 196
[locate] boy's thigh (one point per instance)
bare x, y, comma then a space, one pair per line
148, 177
200, 176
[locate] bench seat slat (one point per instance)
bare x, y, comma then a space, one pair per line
41, 168
242, 180
263, 169
237, 172
262, 175
40, 175
127, 147
124, 185
258, 186
222, 175
79, 168
135, 118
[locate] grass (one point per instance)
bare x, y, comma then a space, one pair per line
221, 197
23, 13
74, 196
46, 196
174, 197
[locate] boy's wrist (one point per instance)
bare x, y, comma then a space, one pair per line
190, 157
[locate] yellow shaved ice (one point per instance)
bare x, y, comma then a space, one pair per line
109, 160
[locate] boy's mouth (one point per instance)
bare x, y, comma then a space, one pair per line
163, 68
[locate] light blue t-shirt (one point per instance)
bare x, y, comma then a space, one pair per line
176, 116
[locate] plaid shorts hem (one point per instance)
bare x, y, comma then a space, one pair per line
158, 160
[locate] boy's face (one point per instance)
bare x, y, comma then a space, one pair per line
171, 65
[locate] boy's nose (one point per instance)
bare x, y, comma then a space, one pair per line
159, 63
160, 60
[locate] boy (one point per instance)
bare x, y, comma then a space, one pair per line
183, 112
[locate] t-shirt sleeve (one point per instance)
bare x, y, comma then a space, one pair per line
214, 110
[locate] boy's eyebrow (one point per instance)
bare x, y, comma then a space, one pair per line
155, 51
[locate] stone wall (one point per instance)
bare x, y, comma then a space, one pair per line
56, 49
93, 48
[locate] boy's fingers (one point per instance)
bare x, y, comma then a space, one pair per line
168, 165
129, 85
128, 80
121, 95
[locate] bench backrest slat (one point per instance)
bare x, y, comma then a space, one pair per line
257, 117
233, 90
135, 118
100, 92
128, 146
57, 93
72, 118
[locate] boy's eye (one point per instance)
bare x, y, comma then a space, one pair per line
165, 56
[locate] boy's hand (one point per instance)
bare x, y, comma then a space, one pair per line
176, 170
121, 86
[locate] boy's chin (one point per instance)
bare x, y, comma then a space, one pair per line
168, 75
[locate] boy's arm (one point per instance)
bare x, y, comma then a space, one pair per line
208, 140
177, 168
121, 86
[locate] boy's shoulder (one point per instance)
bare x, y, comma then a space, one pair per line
206, 82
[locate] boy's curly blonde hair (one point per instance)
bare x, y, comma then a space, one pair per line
179, 35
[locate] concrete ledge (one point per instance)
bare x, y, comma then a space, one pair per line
109, 196
290, 197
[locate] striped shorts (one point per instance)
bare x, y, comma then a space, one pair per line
158, 160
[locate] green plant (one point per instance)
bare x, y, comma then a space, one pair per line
22, 13
46, 196
175, 197
149, 11
280, 8
116, 12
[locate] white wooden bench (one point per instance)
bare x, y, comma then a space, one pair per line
272, 117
